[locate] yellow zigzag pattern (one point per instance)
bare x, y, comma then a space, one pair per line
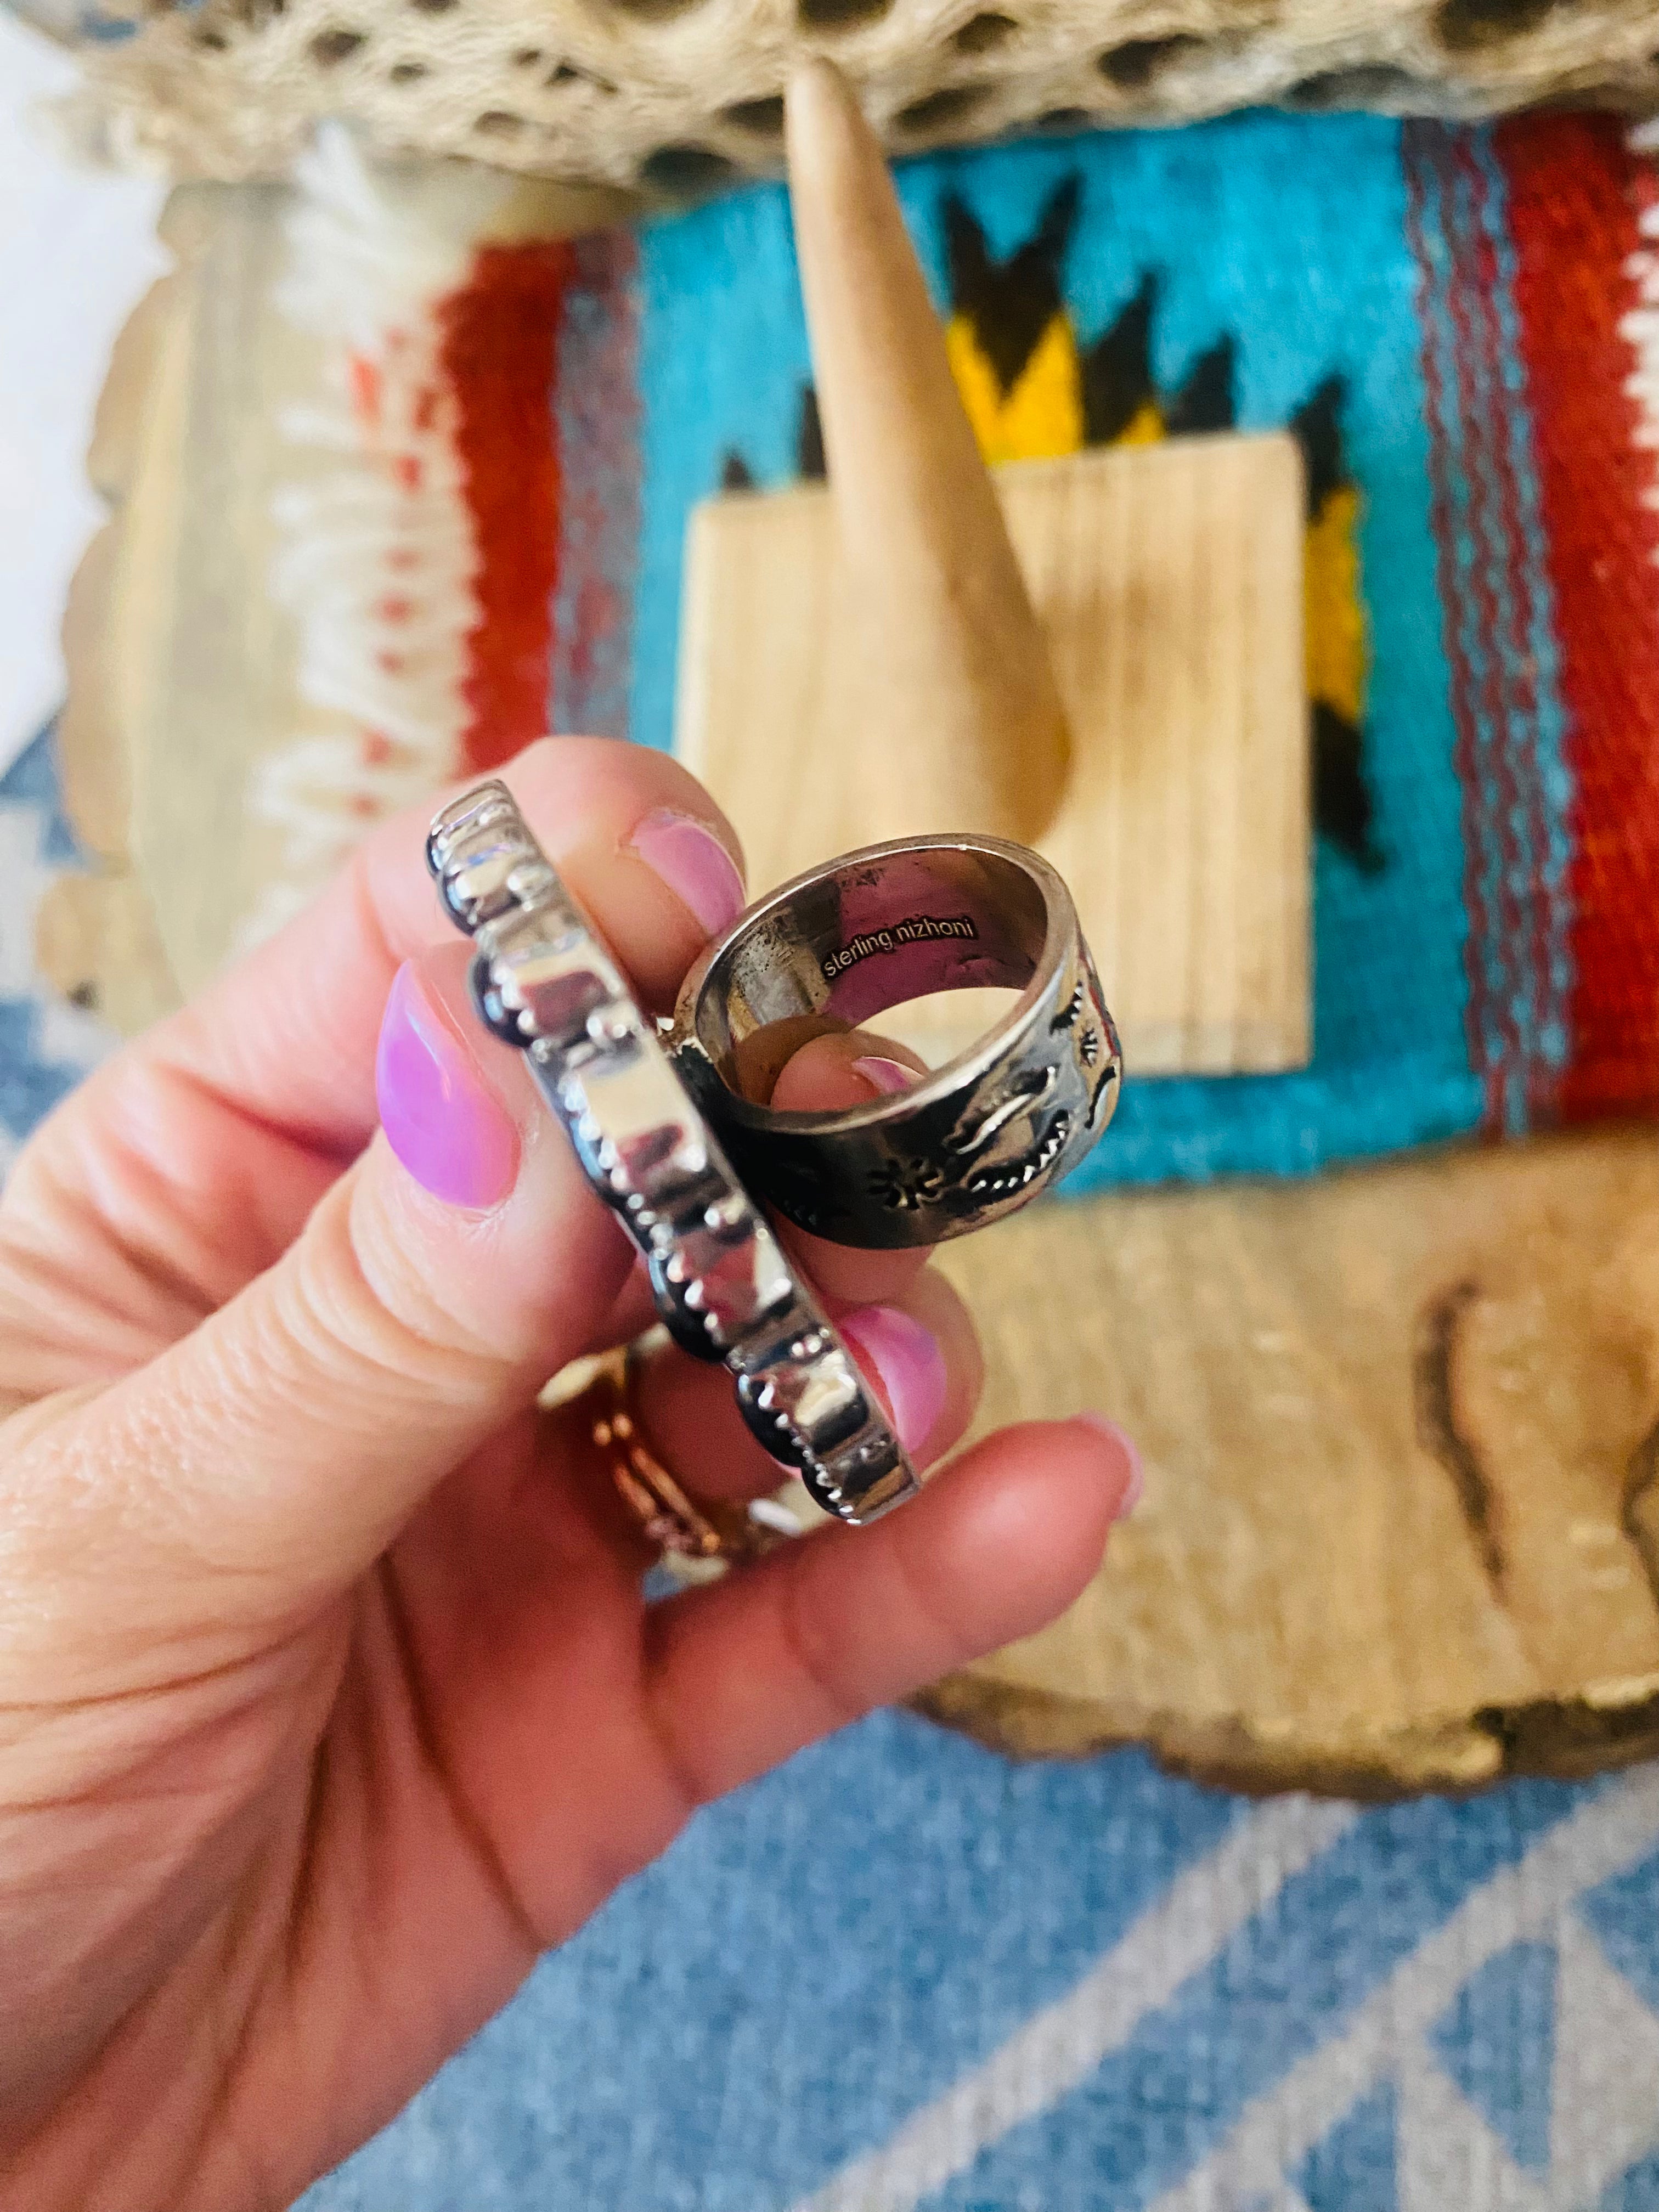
1041, 416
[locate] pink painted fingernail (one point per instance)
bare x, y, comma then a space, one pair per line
887, 1075
694, 864
905, 1358
440, 1115
1135, 1481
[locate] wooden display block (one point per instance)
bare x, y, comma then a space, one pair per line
1168, 578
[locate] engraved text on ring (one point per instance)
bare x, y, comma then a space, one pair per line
914, 929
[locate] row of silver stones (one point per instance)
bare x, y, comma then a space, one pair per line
544, 982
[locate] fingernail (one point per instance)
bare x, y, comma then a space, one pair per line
905, 1358
694, 864
887, 1075
440, 1115
1126, 1443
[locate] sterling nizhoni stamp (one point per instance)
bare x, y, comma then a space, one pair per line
915, 928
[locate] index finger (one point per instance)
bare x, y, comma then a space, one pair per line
848, 1068
190, 1161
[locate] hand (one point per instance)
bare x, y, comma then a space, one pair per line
328, 1698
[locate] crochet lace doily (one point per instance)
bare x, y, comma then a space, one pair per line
677, 94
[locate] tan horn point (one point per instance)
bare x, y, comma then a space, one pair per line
957, 667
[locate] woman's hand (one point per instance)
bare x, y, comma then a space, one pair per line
328, 1698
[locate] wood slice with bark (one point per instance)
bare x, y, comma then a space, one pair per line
1400, 1428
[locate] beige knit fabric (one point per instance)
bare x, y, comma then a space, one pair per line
677, 94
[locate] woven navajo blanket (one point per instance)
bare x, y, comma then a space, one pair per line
1460, 325
902, 1975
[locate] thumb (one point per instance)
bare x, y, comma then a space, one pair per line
440, 1281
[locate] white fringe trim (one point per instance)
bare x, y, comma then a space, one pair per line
1640, 327
376, 556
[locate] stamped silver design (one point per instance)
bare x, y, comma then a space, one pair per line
543, 981
970, 1142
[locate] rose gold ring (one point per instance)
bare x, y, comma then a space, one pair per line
680, 1526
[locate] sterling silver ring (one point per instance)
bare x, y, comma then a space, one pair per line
971, 1141
543, 981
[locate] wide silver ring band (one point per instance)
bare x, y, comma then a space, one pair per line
976, 1139
543, 981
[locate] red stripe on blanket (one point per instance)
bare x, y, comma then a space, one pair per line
1523, 811
598, 426
1498, 585
1436, 229
500, 356
1572, 217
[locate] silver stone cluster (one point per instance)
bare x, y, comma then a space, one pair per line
541, 981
